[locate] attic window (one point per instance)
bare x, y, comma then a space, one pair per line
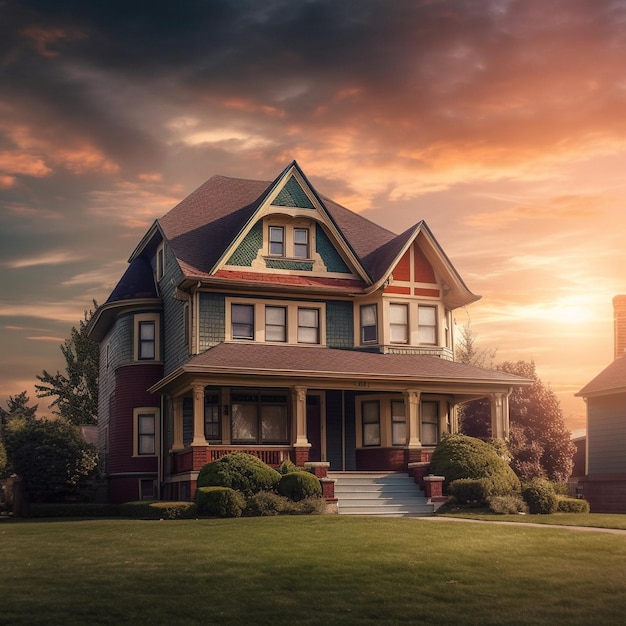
301, 243
277, 240
160, 262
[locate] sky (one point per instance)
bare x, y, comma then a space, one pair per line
501, 123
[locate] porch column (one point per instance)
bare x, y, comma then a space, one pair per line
177, 408
500, 415
198, 416
412, 412
302, 444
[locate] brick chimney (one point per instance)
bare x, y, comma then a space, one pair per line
619, 317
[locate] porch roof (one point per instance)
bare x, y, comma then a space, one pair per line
270, 360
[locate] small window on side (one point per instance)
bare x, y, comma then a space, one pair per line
369, 327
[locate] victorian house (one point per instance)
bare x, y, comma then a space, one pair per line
264, 317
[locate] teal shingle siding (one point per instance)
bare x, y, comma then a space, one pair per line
248, 249
606, 434
324, 247
175, 349
282, 264
212, 320
339, 324
293, 195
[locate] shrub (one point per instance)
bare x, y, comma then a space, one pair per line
540, 497
151, 509
572, 505
299, 485
219, 501
470, 490
287, 466
239, 471
458, 456
502, 505
266, 504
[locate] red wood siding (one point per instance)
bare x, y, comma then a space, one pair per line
423, 271
402, 271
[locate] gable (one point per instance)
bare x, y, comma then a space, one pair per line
292, 195
413, 275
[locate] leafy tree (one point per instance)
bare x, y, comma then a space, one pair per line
17, 409
76, 391
540, 443
51, 457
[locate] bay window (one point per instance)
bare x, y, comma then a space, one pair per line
427, 324
399, 323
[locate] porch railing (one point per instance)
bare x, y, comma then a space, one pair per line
193, 458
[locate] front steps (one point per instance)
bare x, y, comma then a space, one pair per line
391, 494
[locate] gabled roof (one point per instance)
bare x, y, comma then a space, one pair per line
270, 360
610, 380
202, 231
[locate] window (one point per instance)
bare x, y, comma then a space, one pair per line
212, 423
398, 423
186, 324
277, 240
430, 423
275, 323
146, 489
146, 433
160, 262
147, 341
308, 325
399, 323
369, 332
301, 243
242, 320
427, 324
259, 418
370, 413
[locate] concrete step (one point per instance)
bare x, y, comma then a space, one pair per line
379, 493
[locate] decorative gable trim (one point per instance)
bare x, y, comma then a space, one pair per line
292, 195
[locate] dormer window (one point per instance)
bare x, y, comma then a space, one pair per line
427, 324
301, 243
277, 240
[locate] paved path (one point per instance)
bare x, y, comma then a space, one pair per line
613, 531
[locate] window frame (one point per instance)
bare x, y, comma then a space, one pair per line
241, 306
373, 425
272, 229
138, 321
283, 326
159, 262
139, 435
395, 420
258, 400
433, 328
397, 306
297, 245
431, 421
362, 326
303, 328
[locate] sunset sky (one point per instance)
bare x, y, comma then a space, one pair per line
500, 123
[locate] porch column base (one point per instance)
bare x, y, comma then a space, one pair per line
328, 489
302, 454
200, 456
319, 468
434, 487
418, 470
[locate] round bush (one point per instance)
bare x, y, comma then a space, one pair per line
470, 490
239, 471
459, 456
219, 501
540, 497
299, 485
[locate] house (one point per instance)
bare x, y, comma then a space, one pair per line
264, 317
604, 484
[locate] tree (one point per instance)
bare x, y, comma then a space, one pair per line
467, 352
17, 408
51, 457
76, 391
540, 443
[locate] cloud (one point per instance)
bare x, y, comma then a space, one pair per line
50, 258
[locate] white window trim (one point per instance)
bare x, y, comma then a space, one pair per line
147, 317
291, 306
146, 410
289, 229
359, 325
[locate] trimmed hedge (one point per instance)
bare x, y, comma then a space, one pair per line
219, 501
240, 471
266, 504
540, 497
470, 490
503, 505
299, 485
572, 505
461, 457
151, 509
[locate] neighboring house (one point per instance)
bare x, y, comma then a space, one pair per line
261, 316
604, 485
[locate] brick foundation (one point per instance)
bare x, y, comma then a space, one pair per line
606, 493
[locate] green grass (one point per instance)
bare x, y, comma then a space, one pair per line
590, 520
308, 570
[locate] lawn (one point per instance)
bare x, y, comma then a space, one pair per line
308, 570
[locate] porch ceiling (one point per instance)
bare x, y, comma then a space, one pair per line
308, 365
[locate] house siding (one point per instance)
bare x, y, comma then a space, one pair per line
324, 247
606, 433
212, 320
339, 324
175, 349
